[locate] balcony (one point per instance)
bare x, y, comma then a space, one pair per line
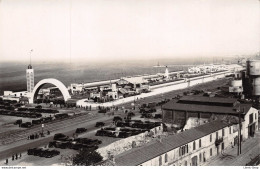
218, 141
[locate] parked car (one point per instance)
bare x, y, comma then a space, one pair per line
157, 116
20, 121
81, 130
26, 125
38, 107
60, 137
101, 133
99, 124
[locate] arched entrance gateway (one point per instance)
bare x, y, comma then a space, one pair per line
54, 82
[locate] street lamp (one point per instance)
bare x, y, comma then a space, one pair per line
42, 128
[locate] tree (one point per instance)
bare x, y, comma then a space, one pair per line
87, 157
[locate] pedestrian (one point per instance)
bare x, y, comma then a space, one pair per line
16, 156
6, 161
12, 157
20, 155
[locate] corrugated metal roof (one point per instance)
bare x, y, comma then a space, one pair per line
208, 99
173, 105
142, 154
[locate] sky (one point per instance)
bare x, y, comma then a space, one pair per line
87, 30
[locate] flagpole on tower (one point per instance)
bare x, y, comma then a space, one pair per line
31, 56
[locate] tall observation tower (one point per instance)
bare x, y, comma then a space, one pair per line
30, 76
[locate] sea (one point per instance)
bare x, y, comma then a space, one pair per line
13, 74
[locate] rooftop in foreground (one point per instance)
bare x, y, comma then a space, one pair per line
208, 105
151, 150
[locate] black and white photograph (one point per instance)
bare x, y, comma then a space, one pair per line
129, 83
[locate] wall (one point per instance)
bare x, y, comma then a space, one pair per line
204, 150
228, 139
123, 145
246, 122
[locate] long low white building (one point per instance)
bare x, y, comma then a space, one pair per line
158, 89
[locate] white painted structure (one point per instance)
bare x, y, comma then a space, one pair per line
157, 90
166, 74
30, 79
236, 86
54, 82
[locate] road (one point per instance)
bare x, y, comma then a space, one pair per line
250, 149
213, 85
23, 145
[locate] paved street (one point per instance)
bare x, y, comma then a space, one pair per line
22, 146
250, 149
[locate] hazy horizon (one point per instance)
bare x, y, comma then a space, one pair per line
104, 30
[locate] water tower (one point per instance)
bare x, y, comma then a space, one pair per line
252, 78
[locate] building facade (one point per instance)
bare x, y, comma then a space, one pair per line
189, 148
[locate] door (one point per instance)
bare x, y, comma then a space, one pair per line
222, 146
194, 161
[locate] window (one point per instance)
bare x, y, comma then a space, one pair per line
166, 158
187, 148
200, 157
194, 145
199, 143
211, 152
186, 163
160, 160
223, 132
216, 135
183, 150
251, 118
230, 130
255, 117
210, 138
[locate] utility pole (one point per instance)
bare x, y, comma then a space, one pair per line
239, 133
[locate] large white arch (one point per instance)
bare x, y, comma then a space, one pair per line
54, 82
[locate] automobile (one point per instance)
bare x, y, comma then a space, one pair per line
131, 114
60, 136
61, 116
88, 141
63, 145
81, 130
137, 125
37, 151
20, 121
120, 124
146, 115
38, 107
31, 151
110, 128
55, 152
117, 118
99, 124
122, 134
39, 121
52, 144
44, 153
26, 125
157, 116
111, 134
101, 133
